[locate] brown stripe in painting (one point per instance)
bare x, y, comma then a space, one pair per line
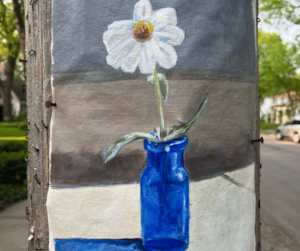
87, 168
94, 116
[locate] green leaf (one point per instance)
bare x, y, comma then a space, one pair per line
113, 150
177, 131
163, 85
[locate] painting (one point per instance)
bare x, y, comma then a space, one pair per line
151, 136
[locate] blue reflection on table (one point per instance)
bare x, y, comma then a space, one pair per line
98, 245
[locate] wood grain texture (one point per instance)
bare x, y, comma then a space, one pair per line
257, 126
39, 66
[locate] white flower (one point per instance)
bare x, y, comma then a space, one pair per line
143, 41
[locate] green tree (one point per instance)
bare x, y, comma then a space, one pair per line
281, 10
12, 39
277, 66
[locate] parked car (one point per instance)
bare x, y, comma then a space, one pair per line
290, 130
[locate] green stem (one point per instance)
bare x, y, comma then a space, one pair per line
158, 95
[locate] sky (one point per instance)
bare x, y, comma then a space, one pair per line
287, 31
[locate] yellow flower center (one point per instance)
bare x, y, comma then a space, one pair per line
143, 31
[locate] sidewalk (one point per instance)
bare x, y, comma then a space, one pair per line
13, 228
273, 238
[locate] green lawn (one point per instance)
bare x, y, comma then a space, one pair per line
268, 126
11, 132
13, 129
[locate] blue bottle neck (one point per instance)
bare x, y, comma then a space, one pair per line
165, 162
167, 158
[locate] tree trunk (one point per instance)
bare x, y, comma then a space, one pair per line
19, 20
7, 107
292, 105
6, 88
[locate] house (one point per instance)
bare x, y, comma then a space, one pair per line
277, 110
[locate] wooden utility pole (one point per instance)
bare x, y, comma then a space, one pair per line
257, 149
38, 14
38, 37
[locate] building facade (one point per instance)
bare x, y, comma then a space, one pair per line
278, 110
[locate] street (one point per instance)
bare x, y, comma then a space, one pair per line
280, 195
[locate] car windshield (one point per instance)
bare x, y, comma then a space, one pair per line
293, 122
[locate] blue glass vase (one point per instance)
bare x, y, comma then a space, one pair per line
165, 196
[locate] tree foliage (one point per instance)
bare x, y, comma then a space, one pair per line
278, 67
12, 40
281, 10
9, 36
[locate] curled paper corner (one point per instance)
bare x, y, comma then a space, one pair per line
30, 237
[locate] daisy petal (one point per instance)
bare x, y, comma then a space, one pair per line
165, 54
147, 60
114, 58
163, 17
113, 38
121, 25
131, 60
170, 34
142, 11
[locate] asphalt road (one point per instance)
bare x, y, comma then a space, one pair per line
280, 195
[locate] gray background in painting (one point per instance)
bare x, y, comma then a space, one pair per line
219, 34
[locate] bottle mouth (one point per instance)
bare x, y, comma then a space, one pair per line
168, 146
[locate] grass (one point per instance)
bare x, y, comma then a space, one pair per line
268, 126
11, 132
12, 138
13, 129
17, 124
